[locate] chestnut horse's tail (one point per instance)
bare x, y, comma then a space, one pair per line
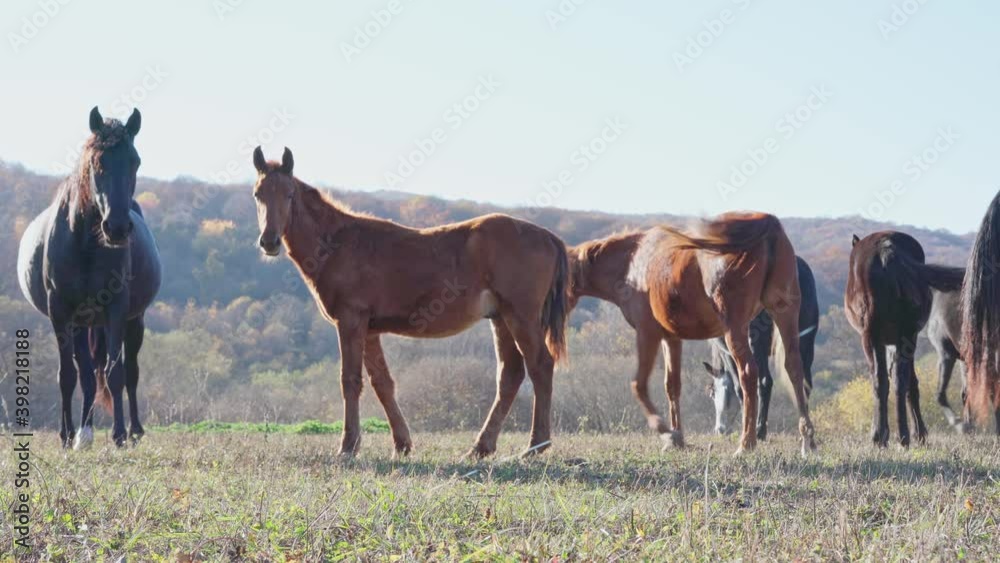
981, 316
99, 353
556, 309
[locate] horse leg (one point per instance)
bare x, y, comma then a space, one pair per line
510, 374
946, 366
913, 399
352, 348
385, 390
115, 332
761, 354
672, 351
786, 321
738, 342
64, 331
646, 340
878, 368
134, 334
902, 377
88, 384
531, 342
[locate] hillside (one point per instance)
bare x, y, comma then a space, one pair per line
236, 337
207, 233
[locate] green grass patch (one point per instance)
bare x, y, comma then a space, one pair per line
308, 427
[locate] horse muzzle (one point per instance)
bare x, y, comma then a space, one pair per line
116, 235
270, 247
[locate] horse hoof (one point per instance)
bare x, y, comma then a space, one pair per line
673, 439
135, 437
808, 447
479, 452
536, 449
403, 450
84, 438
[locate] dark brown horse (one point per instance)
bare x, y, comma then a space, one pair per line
981, 318
888, 300
370, 276
90, 264
673, 286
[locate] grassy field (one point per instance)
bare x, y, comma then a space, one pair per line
194, 496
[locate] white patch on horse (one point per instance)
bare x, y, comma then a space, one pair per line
713, 269
487, 303
638, 268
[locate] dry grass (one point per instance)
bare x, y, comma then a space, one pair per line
256, 497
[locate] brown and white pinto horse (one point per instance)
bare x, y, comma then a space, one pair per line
673, 286
370, 276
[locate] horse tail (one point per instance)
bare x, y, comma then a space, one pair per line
555, 312
99, 354
728, 234
942, 278
981, 316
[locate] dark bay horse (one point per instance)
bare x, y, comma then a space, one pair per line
89, 262
981, 319
672, 286
888, 301
726, 395
371, 276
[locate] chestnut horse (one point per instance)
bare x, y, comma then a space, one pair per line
673, 286
981, 318
888, 301
370, 276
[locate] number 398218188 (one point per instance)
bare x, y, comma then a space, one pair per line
22, 365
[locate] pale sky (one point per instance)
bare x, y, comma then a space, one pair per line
668, 96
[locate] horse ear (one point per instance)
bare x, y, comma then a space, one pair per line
258, 160
134, 122
855, 240
96, 121
287, 163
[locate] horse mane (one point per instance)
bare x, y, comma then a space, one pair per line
324, 209
981, 314
76, 191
